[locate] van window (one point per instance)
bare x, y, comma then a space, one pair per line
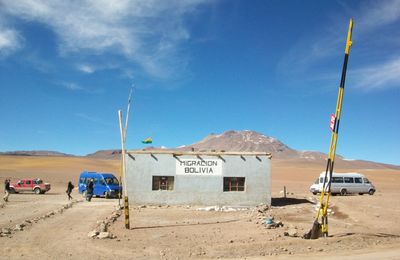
111, 180
316, 181
337, 179
366, 180
348, 180
82, 180
321, 180
358, 180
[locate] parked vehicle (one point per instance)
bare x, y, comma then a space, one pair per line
105, 184
30, 185
344, 183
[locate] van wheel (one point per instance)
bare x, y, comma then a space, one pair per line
13, 191
106, 195
314, 193
361, 193
343, 192
37, 191
371, 192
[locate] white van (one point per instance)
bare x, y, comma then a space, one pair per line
344, 183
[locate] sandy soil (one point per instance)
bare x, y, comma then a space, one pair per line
361, 227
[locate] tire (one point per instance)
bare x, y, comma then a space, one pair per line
371, 192
314, 193
361, 193
343, 192
106, 195
37, 191
12, 191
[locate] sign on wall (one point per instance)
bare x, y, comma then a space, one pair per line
206, 167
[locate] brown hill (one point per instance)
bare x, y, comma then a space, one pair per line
35, 153
251, 141
105, 154
243, 141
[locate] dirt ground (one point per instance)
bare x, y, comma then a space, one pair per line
360, 227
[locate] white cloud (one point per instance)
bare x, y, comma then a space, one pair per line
379, 13
146, 32
86, 68
10, 41
72, 86
374, 26
378, 76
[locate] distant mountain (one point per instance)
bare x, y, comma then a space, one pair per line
237, 141
35, 153
243, 141
105, 154
251, 141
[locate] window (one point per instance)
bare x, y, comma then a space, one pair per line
357, 180
82, 180
38, 181
337, 179
366, 180
28, 182
111, 180
348, 180
234, 183
163, 182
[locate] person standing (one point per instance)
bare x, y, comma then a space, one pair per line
6, 189
89, 190
70, 187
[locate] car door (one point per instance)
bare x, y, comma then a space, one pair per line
358, 185
97, 187
21, 186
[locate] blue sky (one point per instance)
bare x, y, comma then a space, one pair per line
198, 67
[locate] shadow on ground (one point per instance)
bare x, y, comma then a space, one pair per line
288, 201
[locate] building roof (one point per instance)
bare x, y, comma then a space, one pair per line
210, 153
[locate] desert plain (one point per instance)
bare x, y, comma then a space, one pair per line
360, 226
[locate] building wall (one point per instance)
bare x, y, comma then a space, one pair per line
198, 189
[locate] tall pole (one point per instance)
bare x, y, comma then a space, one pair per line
126, 202
335, 120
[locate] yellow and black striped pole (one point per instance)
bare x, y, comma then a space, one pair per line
335, 120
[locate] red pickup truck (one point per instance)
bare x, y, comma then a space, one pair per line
30, 185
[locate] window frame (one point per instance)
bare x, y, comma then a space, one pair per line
348, 179
169, 184
236, 184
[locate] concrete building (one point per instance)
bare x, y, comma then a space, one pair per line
198, 178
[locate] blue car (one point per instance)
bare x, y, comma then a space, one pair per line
105, 184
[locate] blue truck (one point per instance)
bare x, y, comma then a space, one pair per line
105, 184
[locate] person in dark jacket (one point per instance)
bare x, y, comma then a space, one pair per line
70, 187
89, 190
6, 189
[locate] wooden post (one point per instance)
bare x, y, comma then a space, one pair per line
284, 192
126, 202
